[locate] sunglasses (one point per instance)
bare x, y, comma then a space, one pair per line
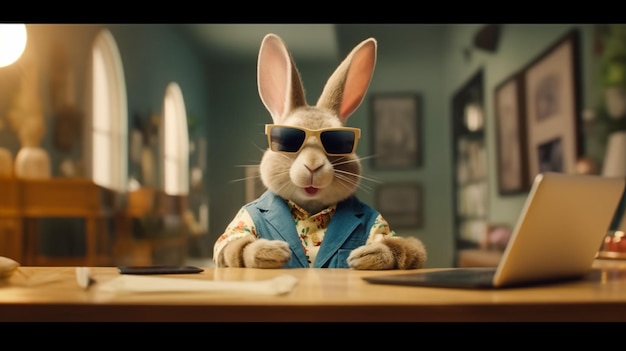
336, 141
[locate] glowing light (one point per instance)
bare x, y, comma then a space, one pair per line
473, 117
12, 42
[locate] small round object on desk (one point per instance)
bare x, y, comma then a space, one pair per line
7, 267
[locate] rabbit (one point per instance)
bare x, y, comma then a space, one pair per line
309, 215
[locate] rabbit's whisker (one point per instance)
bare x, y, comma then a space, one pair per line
373, 180
345, 180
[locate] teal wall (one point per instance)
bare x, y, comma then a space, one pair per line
154, 56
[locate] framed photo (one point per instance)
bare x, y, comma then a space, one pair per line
552, 108
510, 122
254, 185
396, 130
400, 204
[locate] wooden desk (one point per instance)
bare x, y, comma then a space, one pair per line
320, 295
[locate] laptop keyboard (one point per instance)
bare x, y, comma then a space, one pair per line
456, 277
465, 273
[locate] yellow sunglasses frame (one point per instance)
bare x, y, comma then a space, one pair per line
313, 132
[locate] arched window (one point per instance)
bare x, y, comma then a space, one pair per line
106, 146
175, 141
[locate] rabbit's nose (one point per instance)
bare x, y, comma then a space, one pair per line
313, 169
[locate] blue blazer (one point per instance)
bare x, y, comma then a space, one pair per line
348, 229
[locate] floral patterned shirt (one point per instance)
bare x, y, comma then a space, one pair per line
311, 229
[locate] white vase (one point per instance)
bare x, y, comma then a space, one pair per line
32, 162
148, 174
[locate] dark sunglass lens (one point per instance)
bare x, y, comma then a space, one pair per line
338, 141
286, 139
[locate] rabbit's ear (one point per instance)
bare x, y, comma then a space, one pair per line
347, 86
279, 83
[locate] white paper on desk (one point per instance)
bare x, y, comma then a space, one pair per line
279, 285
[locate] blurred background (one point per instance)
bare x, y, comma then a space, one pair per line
137, 142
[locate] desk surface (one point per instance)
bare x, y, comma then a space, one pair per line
320, 295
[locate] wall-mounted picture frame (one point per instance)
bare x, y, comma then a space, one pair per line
400, 204
254, 185
552, 108
396, 130
510, 123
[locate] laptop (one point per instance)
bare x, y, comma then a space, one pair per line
557, 236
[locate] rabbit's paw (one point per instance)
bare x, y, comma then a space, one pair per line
409, 252
390, 253
232, 254
374, 256
263, 253
255, 253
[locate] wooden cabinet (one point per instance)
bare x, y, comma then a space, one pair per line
25, 202
10, 220
470, 178
110, 229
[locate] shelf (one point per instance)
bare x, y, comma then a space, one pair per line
470, 175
